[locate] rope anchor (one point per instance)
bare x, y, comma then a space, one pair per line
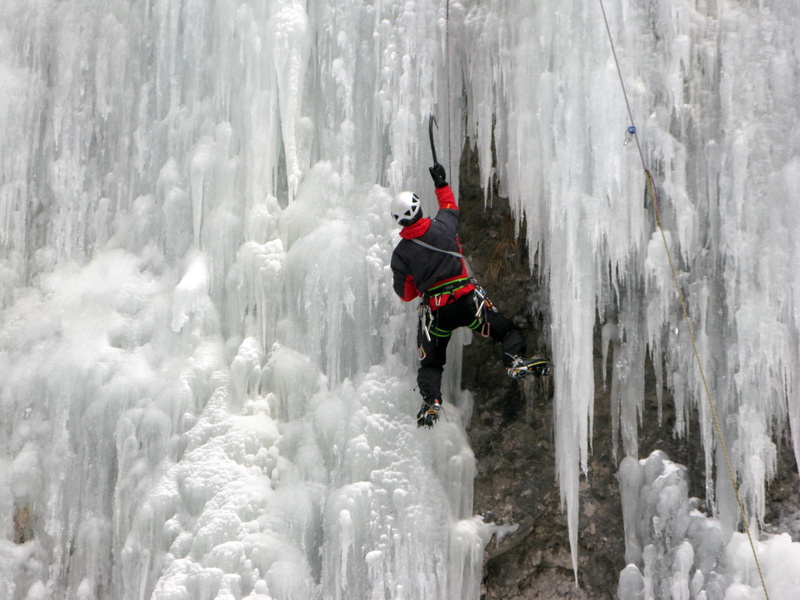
630, 132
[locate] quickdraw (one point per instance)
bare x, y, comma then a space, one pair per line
483, 306
425, 315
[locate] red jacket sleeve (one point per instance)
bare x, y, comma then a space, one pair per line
409, 290
446, 198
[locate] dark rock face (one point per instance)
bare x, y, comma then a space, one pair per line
512, 437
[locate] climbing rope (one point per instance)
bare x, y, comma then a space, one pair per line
632, 133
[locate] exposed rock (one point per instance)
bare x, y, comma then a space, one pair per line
23, 530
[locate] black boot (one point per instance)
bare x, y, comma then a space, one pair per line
521, 367
429, 412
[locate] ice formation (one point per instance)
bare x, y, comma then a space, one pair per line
206, 380
685, 554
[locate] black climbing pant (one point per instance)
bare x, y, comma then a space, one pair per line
450, 317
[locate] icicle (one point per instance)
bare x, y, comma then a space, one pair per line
290, 41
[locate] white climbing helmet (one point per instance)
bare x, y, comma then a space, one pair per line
406, 207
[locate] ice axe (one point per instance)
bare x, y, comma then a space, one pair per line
431, 122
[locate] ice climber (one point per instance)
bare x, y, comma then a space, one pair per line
427, 263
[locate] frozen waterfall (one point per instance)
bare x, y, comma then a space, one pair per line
207, 382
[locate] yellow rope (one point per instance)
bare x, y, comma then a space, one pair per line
685, 311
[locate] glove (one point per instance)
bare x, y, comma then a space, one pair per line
438, 174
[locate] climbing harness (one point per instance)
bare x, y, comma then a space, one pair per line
440, 295
426, 317
632, 134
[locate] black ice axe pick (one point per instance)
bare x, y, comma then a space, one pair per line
431, 123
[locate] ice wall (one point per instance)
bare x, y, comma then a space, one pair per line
206, 379
207, 384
